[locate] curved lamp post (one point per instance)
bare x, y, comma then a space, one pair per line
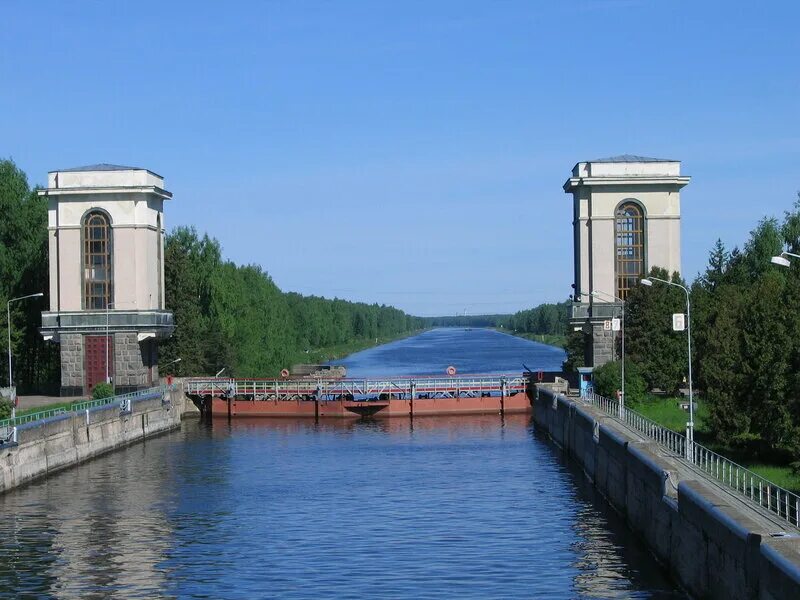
595, 294
690, 425
781, 259
8, 315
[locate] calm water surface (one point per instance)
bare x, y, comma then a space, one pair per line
452, 507
468, 350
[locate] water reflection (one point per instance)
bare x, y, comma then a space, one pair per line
470, 507
437, 507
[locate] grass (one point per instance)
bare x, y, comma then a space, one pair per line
27, 411
780, 475
668, 412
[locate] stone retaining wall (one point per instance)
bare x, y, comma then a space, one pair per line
46, 446
713, 545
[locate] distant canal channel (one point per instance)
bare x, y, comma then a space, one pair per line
441, 507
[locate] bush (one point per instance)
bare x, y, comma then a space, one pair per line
5, 409
102, 390
607, 380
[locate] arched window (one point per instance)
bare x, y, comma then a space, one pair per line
97, 272
629, 247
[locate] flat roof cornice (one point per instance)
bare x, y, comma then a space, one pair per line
125, 189
629, 180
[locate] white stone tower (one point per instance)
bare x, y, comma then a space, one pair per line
627, 220
106, 248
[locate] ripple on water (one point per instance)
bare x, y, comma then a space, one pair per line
456, 507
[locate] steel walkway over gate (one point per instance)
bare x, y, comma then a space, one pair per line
370, 388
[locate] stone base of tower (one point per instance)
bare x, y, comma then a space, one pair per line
602, 346
132, 364
72, 365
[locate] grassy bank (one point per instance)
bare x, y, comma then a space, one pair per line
668, 412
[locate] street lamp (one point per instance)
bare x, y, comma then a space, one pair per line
690, 425
8, 316
782, 260
172, 362
595, 294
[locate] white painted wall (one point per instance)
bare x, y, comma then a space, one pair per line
597, 190
134, 200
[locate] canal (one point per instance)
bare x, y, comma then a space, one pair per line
441, 507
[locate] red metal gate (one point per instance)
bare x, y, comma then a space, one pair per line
98, 349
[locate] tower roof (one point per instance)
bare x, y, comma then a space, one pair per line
625, 158
101, 167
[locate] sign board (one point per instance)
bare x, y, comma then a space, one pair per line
616, 324
678, 322
10, 394
606, 325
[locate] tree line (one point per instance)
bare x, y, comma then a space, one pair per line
23, 271
235, 316
745, 339
226, 315
545, 319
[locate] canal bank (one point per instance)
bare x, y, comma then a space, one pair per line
713, 544
42, 447
462, 506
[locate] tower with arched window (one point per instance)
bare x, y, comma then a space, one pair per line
106, 243
626, 220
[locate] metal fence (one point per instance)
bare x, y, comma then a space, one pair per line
766, 494
8, 427
121, 400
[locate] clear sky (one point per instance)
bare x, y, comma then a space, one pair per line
407, 152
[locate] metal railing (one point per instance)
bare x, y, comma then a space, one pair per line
752, 486
434, 387
8, 427
30, 417
122, 399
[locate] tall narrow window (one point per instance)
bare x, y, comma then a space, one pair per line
97, 282
629, 247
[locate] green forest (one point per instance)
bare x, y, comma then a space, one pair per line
745, 340
226, 315
546, 320
235, 316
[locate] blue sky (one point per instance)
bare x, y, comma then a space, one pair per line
410, 153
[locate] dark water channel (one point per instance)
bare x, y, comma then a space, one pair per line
452, 507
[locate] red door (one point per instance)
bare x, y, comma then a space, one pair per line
98, 349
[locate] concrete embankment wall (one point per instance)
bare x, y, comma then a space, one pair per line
46, 446
712, 544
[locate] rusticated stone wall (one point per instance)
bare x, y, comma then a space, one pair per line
72, 364
135, 363
712, 543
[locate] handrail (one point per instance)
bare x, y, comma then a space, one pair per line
752, 486
30, 417
7, 426
362, 386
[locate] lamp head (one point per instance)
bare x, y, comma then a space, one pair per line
780, 260
39, 295
646, 282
